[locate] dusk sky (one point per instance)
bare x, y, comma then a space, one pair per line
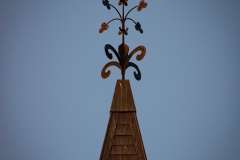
54, 104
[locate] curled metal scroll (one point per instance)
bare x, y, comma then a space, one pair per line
140, 56
123, 59
105, 74
136, 75
109, 55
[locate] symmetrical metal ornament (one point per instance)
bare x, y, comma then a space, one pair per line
123, 49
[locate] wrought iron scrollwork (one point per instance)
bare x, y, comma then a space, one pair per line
123, 60
123, 49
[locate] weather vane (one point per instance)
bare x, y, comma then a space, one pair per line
123, 49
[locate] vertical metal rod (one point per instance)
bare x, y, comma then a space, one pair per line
123, 22
123, 48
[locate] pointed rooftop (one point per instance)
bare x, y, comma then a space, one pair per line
123, 140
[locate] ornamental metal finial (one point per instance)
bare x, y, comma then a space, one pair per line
122, 54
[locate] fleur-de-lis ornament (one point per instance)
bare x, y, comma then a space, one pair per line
123, 49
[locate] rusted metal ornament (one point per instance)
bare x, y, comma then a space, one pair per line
123, 59
123, 49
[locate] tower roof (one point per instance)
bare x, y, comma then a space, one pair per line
123, 140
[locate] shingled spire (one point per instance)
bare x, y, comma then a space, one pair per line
123, 139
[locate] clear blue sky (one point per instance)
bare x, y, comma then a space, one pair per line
54, 105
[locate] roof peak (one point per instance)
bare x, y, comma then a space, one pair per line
123, 98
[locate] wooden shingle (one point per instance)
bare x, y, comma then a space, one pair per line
123, 139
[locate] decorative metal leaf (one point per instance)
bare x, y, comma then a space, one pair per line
136, 75
105, 74
109, 55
